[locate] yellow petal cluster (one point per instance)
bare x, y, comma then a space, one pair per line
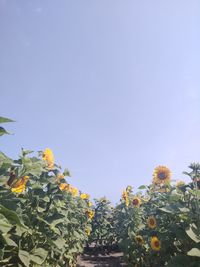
125, 197
20, 185
84, 196
90, 214
48, 157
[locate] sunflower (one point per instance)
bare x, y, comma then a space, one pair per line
155, 243
151, 221
73, 191
48, 157
20, 185
90, 214
136, 201
64, 187
161, 175
139, 239
125, 197
84, 196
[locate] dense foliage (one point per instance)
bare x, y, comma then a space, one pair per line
103, 234
44, 221
159, 225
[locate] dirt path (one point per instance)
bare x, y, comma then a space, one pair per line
111, 260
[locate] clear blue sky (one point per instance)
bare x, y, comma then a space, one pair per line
112, 87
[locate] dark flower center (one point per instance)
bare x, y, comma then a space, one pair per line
157, 243
162, 175
135, 201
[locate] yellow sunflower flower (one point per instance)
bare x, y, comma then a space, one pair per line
161, 175
155, 243
139, 239
20, 185
64, 186
73, 191
90, 214
125, 197
84, 196
151, 222
48, 157
136, 201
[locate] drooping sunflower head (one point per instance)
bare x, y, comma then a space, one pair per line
48, 157
155, 243
125, 197
151, 222
161, 175
139, 239
129, 188
136, 201
19, 185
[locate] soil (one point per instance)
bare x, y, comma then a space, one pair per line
114, 259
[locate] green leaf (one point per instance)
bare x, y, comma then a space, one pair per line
39, 256
11, 216
3, 120
195, 252
191, 233
9, 241
142, 187
3, 131
5, 226
59, 242
24, 257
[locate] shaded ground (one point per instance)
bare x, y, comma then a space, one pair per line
114, 259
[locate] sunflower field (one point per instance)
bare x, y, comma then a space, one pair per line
45, 221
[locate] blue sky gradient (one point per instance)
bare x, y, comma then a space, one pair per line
112, 87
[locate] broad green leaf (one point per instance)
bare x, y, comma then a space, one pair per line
11, 216
24, 257
9, 241
3, 120
195, 252
5, 226
142, 187
59, 242
190, 232
39, 256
